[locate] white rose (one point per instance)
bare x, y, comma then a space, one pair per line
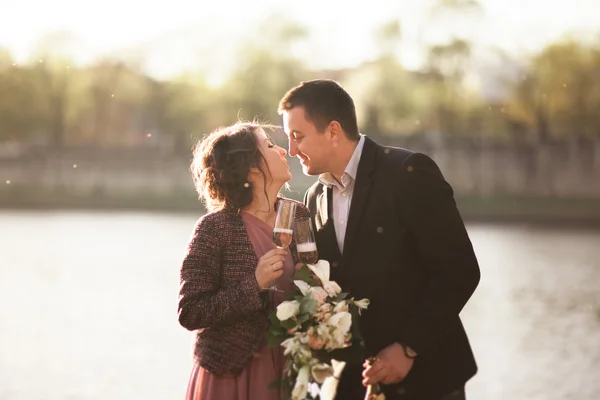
287, 310
342, 321
301, 387
332, 288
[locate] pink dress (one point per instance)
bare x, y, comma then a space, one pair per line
267, 364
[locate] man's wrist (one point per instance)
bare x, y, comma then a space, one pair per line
408, 352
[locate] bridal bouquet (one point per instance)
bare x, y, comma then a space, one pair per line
317, 326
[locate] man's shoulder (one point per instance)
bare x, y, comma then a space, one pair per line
399, 156
395, 161
395, 154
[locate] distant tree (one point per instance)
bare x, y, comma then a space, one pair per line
558, 94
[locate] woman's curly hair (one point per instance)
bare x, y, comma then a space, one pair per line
221, 165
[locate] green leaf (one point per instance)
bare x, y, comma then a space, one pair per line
356, 334
273, 319
305, 274
302, 273
274, 340
277, 384
289, 323
307, 305
303, 318
341, 296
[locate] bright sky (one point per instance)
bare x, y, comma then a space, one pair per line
178, 33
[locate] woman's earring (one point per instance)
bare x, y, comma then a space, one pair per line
246, 185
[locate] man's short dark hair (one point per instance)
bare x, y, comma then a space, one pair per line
323, 101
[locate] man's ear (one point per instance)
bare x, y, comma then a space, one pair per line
335, 132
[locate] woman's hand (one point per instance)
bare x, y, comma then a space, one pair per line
269, 268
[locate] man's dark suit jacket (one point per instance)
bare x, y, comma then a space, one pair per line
407, 250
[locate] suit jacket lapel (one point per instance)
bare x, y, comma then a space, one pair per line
323, 206
360, 194
324, 222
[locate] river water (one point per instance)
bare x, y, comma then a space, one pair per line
88, 309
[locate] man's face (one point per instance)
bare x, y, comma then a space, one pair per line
306, 142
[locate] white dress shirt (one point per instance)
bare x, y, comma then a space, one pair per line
342, 193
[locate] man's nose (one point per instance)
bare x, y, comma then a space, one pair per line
293, 148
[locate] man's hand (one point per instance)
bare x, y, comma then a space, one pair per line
392, 366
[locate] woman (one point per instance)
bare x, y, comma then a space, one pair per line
232, 261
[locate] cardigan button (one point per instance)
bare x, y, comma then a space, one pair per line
335, 264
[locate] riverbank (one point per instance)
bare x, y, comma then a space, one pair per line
582, 212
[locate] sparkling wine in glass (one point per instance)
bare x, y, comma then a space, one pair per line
283, 230
305, 241
284, 223
282, 237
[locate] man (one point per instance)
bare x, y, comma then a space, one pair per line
386, 220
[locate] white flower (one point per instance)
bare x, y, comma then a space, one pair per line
341, 321
337, 341
287, 310
318, 294
341, 306
320, 372
323, 312
321, 270
301, 387
329, 387
362, 304
325, 308
323, 331
332, 288
291, 346
314, 390
303, 286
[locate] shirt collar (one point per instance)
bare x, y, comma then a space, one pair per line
351, 170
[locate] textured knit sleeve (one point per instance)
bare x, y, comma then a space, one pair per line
202, 300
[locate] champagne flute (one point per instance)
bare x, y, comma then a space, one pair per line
283, 230
305, 241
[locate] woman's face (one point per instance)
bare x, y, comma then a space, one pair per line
274, 158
